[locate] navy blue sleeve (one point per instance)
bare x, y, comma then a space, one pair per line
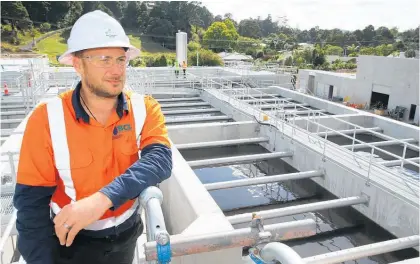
36, 240
154, 167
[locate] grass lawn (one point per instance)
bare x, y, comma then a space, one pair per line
24, 38
52, 46
27, 38
135, 41
149, 46
56, 45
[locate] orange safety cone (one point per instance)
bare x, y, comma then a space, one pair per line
6, 89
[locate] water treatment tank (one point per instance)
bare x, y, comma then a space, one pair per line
181, 47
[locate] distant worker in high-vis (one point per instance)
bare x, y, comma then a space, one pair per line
79, 172
184, 68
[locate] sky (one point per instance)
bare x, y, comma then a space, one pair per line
327, 14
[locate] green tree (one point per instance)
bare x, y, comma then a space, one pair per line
384, 50
383, 36
410, 53
162, 62
368, 35
399, 45
131, 15
250, 28
206, 16
117, 8
64, 13
37, 10
75, 9
220, 37
143, 18
268, 26
289, 61
244, 44
15, 13
367, 51
205, 58
333, 50
194, 46
45, 27
218, 18
231, 27
318, 56
162, 30
90, 6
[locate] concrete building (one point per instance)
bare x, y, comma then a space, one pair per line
391, 81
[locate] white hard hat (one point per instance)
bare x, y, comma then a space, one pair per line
96, 30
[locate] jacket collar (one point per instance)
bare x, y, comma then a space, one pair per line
80, 112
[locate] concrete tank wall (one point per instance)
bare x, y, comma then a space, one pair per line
193, 133
396, 129
392, 202
189, 209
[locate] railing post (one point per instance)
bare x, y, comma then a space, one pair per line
370, 164
307, 121
12, 165
151, 199
317, 129
354, 137
325, 145
403, 156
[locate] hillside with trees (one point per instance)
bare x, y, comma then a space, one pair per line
153, 25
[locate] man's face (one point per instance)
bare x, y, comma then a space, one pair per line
102, 70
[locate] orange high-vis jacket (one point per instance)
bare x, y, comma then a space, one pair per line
80, 158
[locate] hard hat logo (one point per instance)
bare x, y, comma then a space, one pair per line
109, 33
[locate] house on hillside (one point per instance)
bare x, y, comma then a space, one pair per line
235, 58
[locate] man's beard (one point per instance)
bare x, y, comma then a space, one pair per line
100, 91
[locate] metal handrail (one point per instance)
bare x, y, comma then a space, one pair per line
286, 255
313, 112
7, 233
276, 122
151, 199
280, 252
336, 118
364, 251
373, 132
182, 245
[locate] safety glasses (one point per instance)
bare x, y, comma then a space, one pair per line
102, 61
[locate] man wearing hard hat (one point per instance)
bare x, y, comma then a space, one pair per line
79, 171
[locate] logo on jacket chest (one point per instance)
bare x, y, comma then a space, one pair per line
119, 130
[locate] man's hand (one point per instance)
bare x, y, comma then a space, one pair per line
74, 217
